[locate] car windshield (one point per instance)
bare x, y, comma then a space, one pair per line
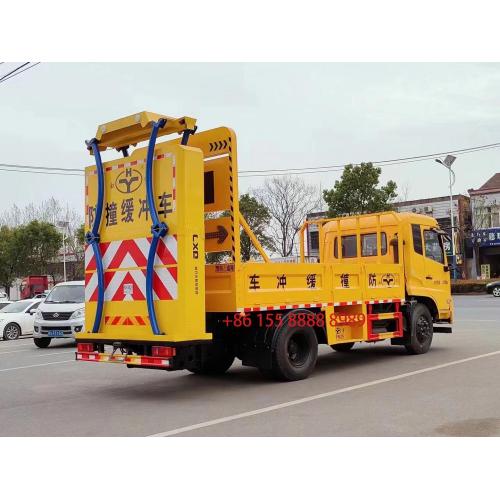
66, 294
17, 307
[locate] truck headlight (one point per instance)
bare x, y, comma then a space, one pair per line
79, 313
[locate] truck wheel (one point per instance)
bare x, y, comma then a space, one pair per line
421, 330
496, 291
42, 342
342, 347
216, 361
295, 353
11, 332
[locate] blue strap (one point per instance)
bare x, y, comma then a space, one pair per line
158, 229
93, 237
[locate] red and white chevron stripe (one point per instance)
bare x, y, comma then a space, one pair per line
130, 285
121, 254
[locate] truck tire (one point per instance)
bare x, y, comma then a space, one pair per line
295, 353
42, 342
421, 330
12, 331
216, 361
347, 346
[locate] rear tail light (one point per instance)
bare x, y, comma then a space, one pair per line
163, 352
85, 347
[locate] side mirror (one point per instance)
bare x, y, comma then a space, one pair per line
446, 269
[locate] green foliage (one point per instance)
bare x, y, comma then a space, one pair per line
80, 235
258, 218
358, 192
26, 250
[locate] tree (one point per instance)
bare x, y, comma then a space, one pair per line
39, 244
258, 218
10, 257
288, 200
358, 192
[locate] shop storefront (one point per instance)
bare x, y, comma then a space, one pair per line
486, 244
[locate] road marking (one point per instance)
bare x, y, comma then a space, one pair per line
10, 344
10, 352
54, 353
475, 321
295, 402
33, 366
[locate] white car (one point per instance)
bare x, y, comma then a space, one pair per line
18, 318
62, 313
4, 303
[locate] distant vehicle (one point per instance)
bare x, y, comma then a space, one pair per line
4, 303
31, 286
493, 288
40, 296
61, 314
17, 318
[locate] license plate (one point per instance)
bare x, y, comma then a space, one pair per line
56, 333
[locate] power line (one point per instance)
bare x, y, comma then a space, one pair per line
10, 167
15, 165
13, 71
19, 72
395, 161
35, 172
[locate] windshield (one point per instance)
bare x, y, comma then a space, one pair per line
17, 307
66, 294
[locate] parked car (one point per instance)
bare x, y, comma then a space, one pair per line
40, 296
493, 288
61, 314
17, 318
4, 302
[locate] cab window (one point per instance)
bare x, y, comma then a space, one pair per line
369, 244
417, 238
433, 248
349, 249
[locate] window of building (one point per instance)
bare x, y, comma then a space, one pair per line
433, 248
417, 238
369, 244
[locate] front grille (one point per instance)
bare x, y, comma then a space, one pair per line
57, 316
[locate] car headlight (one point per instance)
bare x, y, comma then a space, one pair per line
79, 313
38, 314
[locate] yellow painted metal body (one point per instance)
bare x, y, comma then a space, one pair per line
203, 216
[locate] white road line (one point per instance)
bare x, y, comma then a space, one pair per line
54, 353
10, 352
295, 402
33, 366
12, 343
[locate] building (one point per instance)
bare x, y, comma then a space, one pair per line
439, 208
485, 235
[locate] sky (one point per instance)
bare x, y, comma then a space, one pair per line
285, 115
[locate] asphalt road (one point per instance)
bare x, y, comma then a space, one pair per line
374, 390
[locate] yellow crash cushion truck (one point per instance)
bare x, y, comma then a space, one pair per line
152, 300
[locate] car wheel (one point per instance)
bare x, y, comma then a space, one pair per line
496, 291
42, 342
11, 332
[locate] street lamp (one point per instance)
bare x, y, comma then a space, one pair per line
448, 162
64, 225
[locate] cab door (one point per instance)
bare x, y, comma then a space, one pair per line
437, 275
